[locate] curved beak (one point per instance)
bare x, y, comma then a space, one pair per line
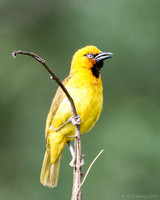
103, 56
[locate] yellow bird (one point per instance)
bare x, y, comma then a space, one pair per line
85, 87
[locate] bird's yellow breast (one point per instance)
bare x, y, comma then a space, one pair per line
86, 91
88, 99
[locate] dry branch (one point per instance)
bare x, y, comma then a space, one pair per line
77, 173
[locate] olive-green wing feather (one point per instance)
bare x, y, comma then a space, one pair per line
59, 96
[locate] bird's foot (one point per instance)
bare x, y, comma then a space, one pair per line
74, 120
72, 163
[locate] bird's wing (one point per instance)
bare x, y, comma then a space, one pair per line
59, 96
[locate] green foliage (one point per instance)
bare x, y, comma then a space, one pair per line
128, 129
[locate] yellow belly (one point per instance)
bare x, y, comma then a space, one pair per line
88, 101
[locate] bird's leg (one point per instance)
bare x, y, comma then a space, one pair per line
57, 129
72, 163
72, 119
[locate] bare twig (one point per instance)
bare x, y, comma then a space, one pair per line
89, 168
77, 174
53, 76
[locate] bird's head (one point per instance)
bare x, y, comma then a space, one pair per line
91, 58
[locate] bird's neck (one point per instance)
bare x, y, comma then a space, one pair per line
86, 76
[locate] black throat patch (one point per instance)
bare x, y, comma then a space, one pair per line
96, 69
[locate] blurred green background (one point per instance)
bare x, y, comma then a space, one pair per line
129, 127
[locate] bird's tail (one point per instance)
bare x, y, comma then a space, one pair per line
50, 172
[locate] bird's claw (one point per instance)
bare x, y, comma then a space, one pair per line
82, 162
72, 163
75, 120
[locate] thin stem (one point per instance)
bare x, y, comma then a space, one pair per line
77, 174
89, 168
53, 76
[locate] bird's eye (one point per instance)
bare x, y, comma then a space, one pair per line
90, 55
